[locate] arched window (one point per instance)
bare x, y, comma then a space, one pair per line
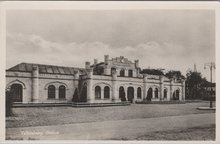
16, 92
165, 93
139, 93
130, 73
106, 92
122, 73
156, 92
113, 70
51, 92
62, 92
177, 94
97, 92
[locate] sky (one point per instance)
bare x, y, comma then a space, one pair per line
167, 39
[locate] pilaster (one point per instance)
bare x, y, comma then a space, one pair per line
35, 84
135, 95
145, 87
90, 95
171, 89
161, 87
115, 94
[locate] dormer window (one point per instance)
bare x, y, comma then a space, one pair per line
130, 73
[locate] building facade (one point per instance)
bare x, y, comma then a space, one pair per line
114, 80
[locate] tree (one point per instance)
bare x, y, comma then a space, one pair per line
175, 74
194, 82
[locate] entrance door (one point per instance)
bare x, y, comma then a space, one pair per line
122, 94
83, 96
176, 95
130, 94
16, 92
149, 94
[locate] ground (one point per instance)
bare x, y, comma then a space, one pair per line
147, 114
195, 133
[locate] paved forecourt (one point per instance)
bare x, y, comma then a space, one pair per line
111, 129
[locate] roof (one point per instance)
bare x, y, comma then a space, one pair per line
152, 72
48, 69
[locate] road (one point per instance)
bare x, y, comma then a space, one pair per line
107, 130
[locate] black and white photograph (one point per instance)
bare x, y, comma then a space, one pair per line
110, 71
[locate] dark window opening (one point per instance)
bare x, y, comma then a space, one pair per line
130, 94
106, 92
122, 94
149, 94
16, 92
122, 73
62, 92
130, 73
139, 93
165, 93
97, 92
156, 93
51, 92
113, 70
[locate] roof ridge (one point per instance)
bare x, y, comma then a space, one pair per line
47, 65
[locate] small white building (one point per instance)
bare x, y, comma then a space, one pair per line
113, 80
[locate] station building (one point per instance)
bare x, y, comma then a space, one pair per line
111, 81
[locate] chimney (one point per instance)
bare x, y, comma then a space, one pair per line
87, 65
136, 63
106, 57
35, 71
95, 61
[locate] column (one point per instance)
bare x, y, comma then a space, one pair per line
102, 93
183, 91
76, 78
135, 95
90, 93
57, 93
115, 95
126, 92
35, 84
134, 73
138, 72
161, 87
180, 94
118, 71
153, 94
145, 87
126, 72
171, 89
107, 71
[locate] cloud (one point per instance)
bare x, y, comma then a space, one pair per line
36, 49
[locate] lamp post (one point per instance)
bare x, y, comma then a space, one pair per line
211, 65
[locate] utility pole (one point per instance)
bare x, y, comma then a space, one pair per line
195, 69
211, 65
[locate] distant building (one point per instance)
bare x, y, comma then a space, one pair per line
113, 80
